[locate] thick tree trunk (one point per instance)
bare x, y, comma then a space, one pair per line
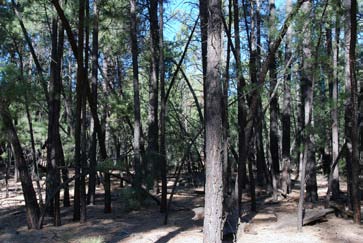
31, 203
78, 126
53, 156
274, 133
351, 127
213, 209
136, 91
153, 124
308, 162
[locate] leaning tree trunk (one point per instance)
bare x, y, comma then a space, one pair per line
213, 208
31, 203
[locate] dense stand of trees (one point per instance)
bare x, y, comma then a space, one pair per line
248, 94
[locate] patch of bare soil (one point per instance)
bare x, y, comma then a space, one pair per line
275, 222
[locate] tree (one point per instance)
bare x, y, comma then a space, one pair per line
351, 109
31, 203
163, 158
137, 113
286, 110
213, 213
307, 84
53, 142
274, 139
153, 121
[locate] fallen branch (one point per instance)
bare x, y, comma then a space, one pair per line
315, 215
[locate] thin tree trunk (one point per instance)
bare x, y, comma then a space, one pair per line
91, 102
333, 54
163, 156
91, 196
286, 111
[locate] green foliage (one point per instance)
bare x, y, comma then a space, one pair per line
111, 164
131, 198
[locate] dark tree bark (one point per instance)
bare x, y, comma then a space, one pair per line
59, 146
286, 111
274, 109
136, 91
153, 124
242, 173
351, 126
213, 209
91, 196
262, 171
78, 126
31, 203
91, 102
53, 156
203, 14
163, 158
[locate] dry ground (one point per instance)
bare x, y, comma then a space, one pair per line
277, 222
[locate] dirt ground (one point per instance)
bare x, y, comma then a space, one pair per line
274, 222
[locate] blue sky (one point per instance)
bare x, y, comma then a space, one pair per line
188, 9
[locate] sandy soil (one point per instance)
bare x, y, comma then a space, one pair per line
146, 224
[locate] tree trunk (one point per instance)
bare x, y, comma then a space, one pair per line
286, 111
308, 163
91, 196
31, 203
79, 97
351, 127
136, 90
153, 126
213, 209
53, 156
262, 171
163, 156
333, 56
274, 133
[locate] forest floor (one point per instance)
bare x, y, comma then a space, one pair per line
274, 222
